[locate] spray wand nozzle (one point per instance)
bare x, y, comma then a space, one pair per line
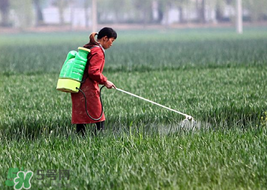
189, 118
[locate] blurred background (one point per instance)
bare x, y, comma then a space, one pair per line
91, 14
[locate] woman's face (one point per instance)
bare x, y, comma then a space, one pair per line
107, 42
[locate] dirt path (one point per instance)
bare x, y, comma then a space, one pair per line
57, 28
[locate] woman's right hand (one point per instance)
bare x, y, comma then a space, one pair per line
109, 84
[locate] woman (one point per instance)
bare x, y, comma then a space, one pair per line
92, 78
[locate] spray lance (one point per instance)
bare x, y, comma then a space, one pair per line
187, 117
71, 74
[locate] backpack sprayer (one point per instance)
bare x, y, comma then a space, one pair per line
71, 74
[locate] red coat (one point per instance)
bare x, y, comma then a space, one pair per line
92, 77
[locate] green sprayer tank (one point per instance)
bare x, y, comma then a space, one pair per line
71, 73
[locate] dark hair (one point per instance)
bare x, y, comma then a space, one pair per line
109, 32
106, 31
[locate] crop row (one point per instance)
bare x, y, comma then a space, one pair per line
221, 97
46, 53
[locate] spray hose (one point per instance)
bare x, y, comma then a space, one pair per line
95, 119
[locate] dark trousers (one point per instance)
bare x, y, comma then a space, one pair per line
80, 128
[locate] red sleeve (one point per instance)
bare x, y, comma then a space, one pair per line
95, 68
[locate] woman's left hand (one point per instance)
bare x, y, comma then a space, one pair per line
109, 84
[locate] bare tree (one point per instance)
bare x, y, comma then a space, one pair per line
257, 9
145, 10
200, 10
86, 14
39, 13
165, 6
218, 12
181, 5
181, 15
24, 13
4, 8
160, 11
62, 5
203, 11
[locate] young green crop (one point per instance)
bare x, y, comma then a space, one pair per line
216, 76
222, 97
224, 159
138, 51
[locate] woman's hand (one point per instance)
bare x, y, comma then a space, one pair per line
109, 85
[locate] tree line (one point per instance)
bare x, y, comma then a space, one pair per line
132, 11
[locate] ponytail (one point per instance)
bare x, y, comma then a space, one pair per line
92, 41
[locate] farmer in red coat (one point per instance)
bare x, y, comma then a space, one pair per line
92, 78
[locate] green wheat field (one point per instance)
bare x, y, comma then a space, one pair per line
215, 75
